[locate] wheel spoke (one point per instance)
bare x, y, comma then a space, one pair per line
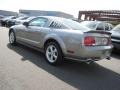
55, 50
48, 51
51, 57
51, 48
55, 56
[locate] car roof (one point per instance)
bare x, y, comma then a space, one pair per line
53, 18
61, 20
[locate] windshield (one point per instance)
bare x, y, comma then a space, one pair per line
73, 24
89, 24
117, 28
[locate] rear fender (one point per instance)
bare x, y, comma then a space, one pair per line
57, 39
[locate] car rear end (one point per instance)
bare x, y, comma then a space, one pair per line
96, 45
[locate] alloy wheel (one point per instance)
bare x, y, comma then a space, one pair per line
51, 53
12, 37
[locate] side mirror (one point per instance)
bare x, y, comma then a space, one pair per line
26, 24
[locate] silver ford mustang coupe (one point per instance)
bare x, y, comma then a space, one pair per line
60, 38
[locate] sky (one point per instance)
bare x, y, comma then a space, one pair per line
67, 6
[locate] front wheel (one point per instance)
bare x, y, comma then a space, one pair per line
53, 53
12, 38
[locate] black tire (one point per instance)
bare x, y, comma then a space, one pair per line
59, 59
12, 42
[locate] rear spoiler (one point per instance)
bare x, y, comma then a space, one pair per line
101, 32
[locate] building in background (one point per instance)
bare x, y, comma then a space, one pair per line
7, 13
101, 15
45, 13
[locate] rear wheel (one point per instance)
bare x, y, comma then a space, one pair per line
53, 53
12, 38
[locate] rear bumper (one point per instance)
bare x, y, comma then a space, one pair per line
93, 53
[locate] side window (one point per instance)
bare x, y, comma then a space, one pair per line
106, 27
38, 22
100, 27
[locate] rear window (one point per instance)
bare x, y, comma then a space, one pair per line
91, 25
73, 24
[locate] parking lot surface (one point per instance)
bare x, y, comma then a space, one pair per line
22, 68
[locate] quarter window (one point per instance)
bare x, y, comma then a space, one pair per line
56, 25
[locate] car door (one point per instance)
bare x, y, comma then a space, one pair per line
36, 29
21, 33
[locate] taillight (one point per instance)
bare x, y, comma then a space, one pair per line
89, 41
96, 41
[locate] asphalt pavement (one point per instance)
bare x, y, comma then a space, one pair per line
22, 68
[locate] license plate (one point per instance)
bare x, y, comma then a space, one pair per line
101, 41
